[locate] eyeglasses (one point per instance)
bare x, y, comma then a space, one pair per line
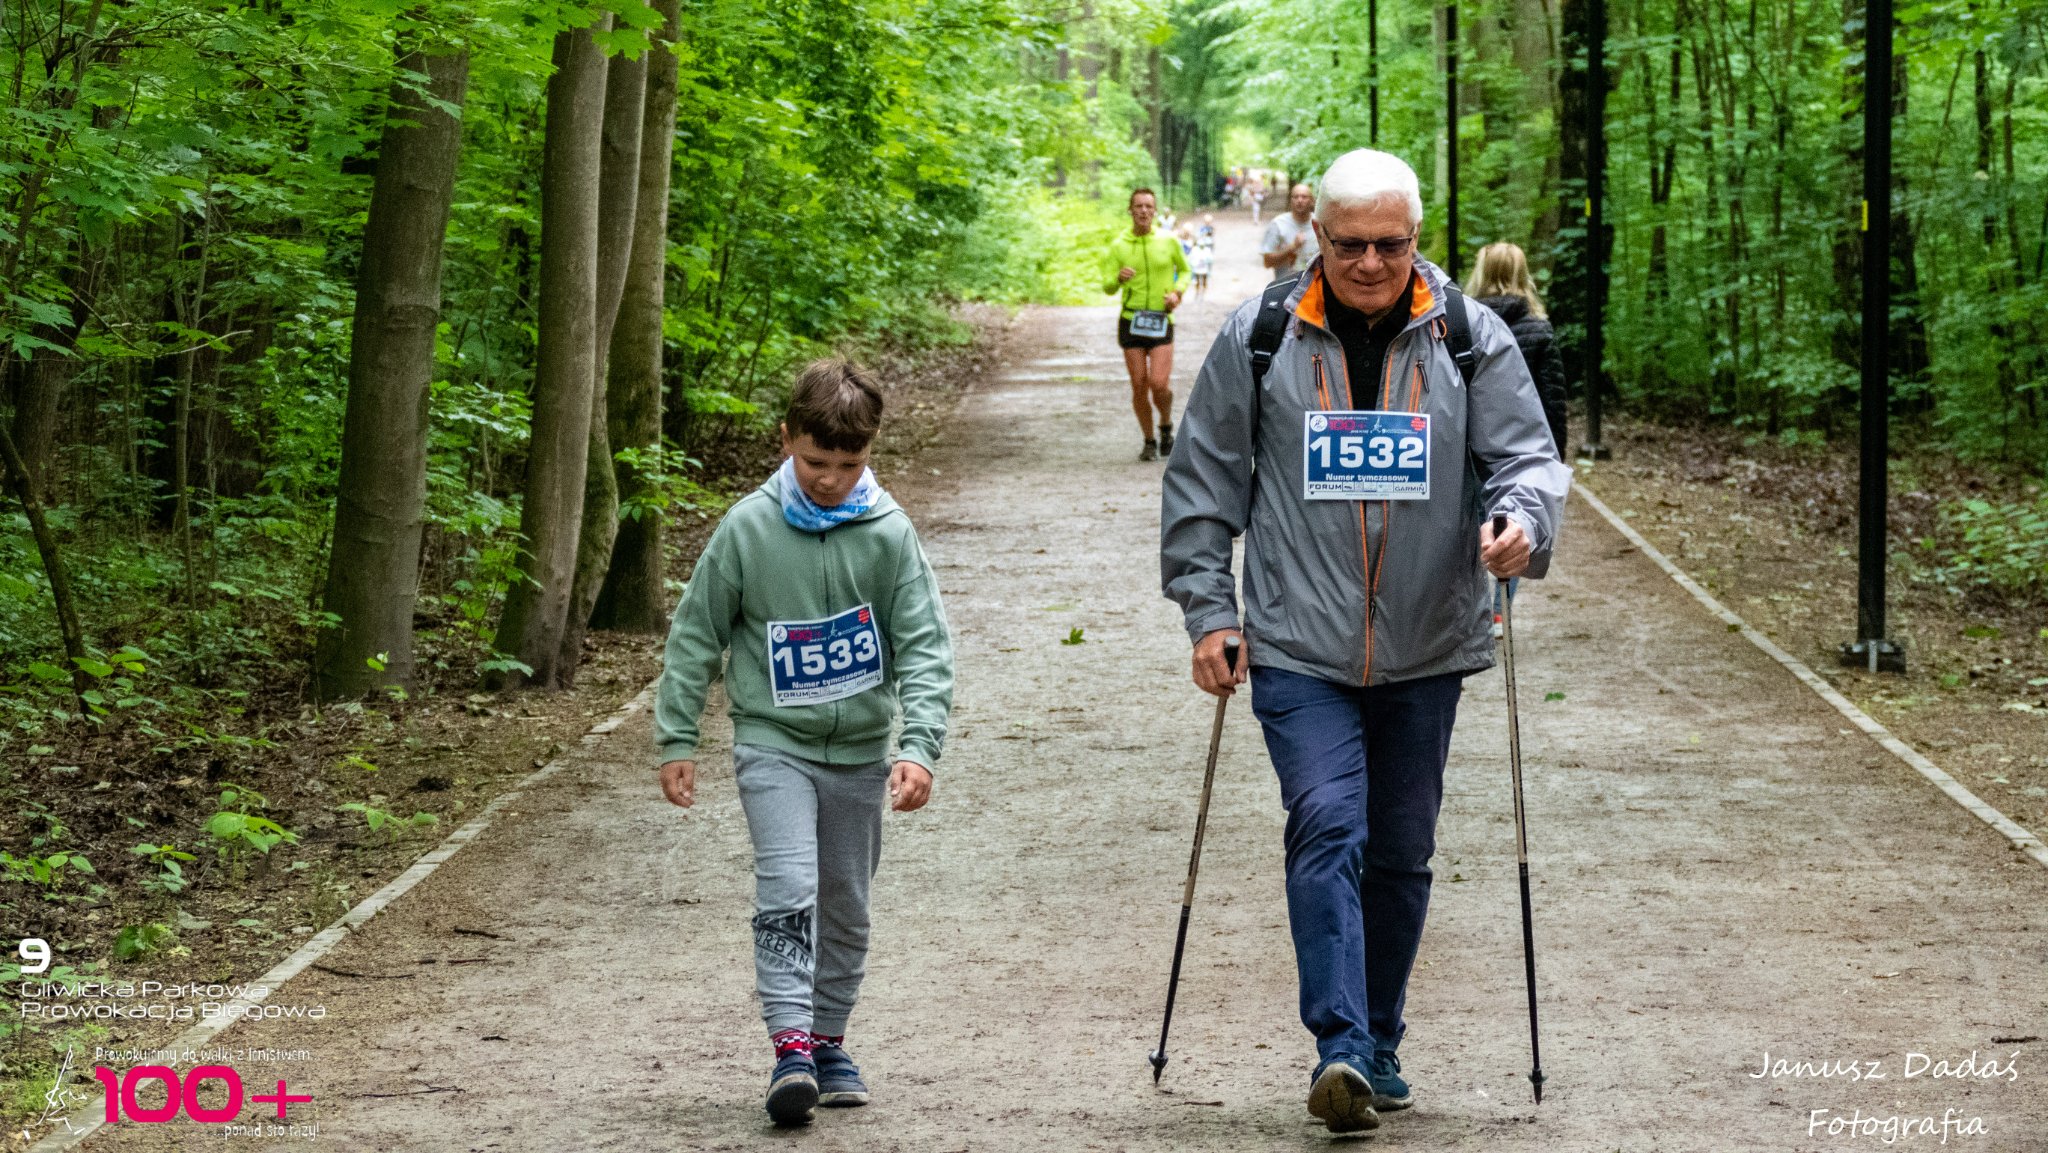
1389, 247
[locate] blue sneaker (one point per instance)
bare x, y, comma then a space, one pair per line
793, 1090
1389, 1092
1341, 1097
839, 1083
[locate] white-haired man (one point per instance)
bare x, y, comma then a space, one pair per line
1363, 472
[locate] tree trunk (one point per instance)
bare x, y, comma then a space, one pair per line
632, 597
565, 364
380, 499
23, 486
1571, 280
1908, 328
625, 104
1846, 338
1534, 47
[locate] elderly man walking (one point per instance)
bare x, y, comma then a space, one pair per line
1363, 471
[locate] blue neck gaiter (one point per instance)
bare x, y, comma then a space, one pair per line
804, 513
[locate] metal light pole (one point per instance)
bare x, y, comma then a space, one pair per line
1372, 65
1595, 257
1451, 135
1872, 650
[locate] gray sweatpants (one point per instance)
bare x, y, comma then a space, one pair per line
817, 832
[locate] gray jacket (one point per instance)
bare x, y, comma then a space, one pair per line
1237, 470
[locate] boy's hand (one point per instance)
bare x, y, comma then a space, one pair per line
679, 782
910, 786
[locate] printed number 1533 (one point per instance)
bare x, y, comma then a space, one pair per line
837, 656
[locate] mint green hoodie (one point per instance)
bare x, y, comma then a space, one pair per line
757, 570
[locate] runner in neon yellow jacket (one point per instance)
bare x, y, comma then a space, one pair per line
1160, 265
1150, 269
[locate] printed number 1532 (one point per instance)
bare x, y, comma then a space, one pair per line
1357, 451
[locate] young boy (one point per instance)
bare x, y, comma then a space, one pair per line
817, 585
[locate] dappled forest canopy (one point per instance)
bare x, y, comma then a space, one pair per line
1733, 188
199, 272
378, 343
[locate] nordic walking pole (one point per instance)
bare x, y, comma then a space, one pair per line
1187, 896
1507, 651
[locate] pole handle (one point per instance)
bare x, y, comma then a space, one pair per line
1500, 524
1230, 651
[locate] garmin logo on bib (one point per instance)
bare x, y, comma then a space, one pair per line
1365, 456
818, 662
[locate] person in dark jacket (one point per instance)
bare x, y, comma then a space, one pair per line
1501, 282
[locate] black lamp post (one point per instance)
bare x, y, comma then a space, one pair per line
1594, 351
1872, 650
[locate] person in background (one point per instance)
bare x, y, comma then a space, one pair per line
1201, 262
1500, 281
1150, 270
1290, 242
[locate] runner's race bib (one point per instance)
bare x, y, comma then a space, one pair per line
817, 662
1148, 323
1365, 456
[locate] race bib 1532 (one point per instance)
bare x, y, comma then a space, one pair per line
816, 662
1365, 456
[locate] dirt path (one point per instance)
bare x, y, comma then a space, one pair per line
1723, 870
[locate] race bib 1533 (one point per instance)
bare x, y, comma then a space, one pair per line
816, 662
1365, 456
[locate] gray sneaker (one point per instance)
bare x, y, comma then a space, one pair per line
1150, 451
1165, 440
839, 1083
1341, 1097
1389, 1091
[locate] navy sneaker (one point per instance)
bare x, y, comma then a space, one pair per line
1341, 1097
793, 1090
1389, 1092
839, 1083
1165, 440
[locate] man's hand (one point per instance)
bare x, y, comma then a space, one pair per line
910, 786
1212, 672
1507, 557
679, 782
1125, 273
1172, 301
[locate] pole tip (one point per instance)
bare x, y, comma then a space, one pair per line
1536, 1079
1158, 1065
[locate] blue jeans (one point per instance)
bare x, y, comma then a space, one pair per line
1362, 779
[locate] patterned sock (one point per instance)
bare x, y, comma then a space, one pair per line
821, 1041
791, 1041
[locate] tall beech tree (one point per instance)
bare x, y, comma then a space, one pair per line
536, 615
631, 599
380, 496
625, 101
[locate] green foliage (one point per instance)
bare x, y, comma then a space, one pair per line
2002, 547
240, 828
393, 825
170, 873
135, 942
1733, 188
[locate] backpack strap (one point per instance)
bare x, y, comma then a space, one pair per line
1269, 328
1459, 323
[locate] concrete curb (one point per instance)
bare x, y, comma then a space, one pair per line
2011, 830
86, 1121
